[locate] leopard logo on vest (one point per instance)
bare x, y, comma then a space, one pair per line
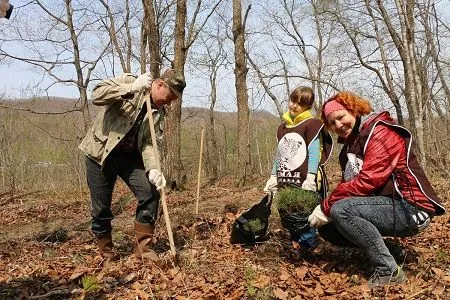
291, 154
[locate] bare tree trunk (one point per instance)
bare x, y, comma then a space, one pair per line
406, 15
78, 69
434, 50
320, 49
142, 46
213, 163
153, 38
174, 168
129, 46
215, 58
240, 72
404, 42
258, 152
269, 165
225, 161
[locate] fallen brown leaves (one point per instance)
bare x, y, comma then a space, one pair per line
208, 266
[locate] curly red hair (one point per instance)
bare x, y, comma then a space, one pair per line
356, 105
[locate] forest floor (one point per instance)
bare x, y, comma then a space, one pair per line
47, 251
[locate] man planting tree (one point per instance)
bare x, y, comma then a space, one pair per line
119, 144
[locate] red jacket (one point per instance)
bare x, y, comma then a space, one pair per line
384, 151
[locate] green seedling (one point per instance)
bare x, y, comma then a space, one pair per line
295, 200
250, 275
254, 225
90, 285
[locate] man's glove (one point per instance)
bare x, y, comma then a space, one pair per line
271, 184
141, 83
310, 183
156, 177
317, 218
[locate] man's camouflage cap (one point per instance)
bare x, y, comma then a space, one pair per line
175, 80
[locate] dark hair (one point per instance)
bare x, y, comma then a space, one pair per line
303, 95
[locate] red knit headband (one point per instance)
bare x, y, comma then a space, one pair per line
332, 106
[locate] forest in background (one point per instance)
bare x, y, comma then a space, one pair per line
242, 55
40, 151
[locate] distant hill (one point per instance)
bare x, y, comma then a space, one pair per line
43, 104
60, 104
203, 113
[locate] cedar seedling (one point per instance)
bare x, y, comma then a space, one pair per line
254, 225
295, 200
90, 285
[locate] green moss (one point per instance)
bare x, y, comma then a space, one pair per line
292, 200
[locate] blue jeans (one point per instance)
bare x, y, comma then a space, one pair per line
101, 182
362, 221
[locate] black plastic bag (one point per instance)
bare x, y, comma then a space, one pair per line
251, 227
296, 222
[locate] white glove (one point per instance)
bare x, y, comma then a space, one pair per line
156, 177
271, 184
310, 183
141, 83
317, 218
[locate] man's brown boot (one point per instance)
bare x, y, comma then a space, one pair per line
105, 246
144, 235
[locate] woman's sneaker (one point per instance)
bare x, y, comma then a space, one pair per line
377, 279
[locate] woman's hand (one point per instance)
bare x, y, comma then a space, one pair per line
317, 218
